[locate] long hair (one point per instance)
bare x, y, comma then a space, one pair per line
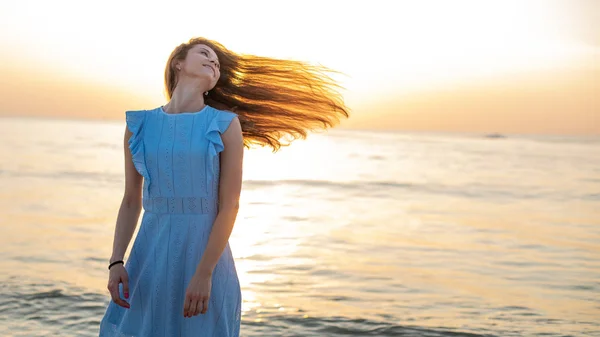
273, 98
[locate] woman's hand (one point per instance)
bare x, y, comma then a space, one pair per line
118, 274
197, 295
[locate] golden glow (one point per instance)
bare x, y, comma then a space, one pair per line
384, 48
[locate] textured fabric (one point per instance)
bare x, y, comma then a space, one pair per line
177, 154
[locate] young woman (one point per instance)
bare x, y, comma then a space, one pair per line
183, 166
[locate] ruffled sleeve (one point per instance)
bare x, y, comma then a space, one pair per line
135, 123
217, 126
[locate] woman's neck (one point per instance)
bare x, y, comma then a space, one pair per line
186, 98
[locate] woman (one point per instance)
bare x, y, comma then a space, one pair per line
180, 278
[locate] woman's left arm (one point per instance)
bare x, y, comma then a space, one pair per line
230, 185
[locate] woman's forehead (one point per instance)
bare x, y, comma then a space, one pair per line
207, 48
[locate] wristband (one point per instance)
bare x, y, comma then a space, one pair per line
115, 262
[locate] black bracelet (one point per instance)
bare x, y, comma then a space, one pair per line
116, 262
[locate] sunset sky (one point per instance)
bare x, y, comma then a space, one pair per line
477, 66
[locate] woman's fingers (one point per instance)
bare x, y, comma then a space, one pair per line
193, 307
190, 306
113, 288
198, 307
204, 305
186, 305
125, 280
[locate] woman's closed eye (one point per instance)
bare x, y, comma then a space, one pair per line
205, 53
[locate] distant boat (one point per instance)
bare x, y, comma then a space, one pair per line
494, 135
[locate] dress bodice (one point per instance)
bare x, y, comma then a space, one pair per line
177, 154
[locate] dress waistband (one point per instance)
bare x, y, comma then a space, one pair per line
178, 205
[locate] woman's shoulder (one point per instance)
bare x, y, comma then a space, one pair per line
135, 119
138, 115
224, 112
219, 121
141, 111
222, 116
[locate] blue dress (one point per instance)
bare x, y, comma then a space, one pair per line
177, 154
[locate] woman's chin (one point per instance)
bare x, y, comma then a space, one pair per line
205, 77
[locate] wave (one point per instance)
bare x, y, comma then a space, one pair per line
45, 308
335, 326
360, 188
79, 176
391, 189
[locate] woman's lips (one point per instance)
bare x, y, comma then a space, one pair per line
211, 68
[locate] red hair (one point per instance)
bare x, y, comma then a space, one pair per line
273, 98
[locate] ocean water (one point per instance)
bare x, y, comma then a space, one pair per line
349, 233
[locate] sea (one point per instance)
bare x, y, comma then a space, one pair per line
346, 233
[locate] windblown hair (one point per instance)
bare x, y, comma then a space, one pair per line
273, 98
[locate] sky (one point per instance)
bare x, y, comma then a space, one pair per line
528, 66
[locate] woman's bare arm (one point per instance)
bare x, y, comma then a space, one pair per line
131, 205
230, 185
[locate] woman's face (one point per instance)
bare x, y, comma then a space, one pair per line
201, 62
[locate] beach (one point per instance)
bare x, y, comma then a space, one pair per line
349, 233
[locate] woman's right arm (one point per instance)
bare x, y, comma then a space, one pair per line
131, 205
129, 212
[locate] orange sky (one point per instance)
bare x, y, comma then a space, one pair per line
497, 66
558, 102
